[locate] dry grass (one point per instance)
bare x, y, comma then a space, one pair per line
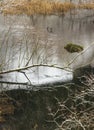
31, 7
35, 7
86, 6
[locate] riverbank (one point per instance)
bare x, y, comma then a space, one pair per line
45, 7
71, 105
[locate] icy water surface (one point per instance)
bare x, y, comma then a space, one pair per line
26, 41
30, 40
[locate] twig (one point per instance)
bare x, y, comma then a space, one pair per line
26, 76
79, 122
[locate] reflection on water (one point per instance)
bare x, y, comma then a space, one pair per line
32, 40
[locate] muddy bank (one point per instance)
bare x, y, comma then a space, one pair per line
36, 108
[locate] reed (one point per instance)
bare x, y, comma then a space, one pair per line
86, 6
31, 7
36, 7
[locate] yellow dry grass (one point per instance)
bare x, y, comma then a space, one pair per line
35, 7
86, 6
31, 7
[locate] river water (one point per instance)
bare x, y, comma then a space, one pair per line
30, 40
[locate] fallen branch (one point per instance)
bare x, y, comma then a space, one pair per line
36, 65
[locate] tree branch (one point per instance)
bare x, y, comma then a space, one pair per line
36, 65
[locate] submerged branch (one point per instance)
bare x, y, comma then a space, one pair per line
7, 82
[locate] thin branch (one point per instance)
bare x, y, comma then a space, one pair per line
32, 66
26, 76
79, 122
60, 127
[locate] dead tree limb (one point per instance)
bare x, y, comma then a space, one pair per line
33, 66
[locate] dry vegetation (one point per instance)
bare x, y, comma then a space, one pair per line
35, 7
40, 7
77, 111
86, 6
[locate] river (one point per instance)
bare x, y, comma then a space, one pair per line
29, 40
